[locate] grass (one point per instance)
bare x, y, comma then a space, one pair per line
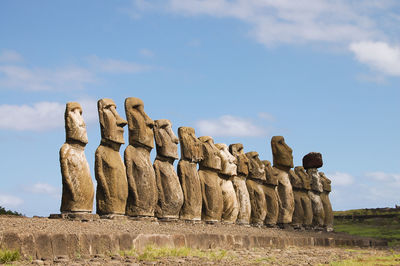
377, 211
382, 228
9, 256
152, 253
373, 260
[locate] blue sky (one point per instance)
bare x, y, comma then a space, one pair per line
324, 74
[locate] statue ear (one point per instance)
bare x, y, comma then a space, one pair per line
157, 133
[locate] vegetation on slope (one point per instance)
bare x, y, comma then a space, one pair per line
3, 211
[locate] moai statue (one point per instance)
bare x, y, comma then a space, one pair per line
239, 183
142, 197
191, 154
311, 162
271, 194
170, 195
303, 214
228, 171
211, 191
78, 190
112, 185
283, 162
326, 184
254, 184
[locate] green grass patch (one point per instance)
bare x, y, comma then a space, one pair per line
7, 256
382, 228
372, 260
3, 211
377, 211
152, 253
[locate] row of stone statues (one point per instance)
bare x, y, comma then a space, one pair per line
213, 182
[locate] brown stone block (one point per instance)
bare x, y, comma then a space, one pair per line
85, 244
44, 249
312, 160
59, 243
11, 241
126, 241
179, 240
28, 245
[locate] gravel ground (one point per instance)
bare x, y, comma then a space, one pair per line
106, 226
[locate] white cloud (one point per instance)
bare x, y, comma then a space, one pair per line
266, 116
9, 200
43, 79
10, 56
341, 179
116, 66
287, 21
43, 188
146, 52
379, 56
41, 116
231, 126
394, 179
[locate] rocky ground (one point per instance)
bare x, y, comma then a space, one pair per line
269, 256
266, 256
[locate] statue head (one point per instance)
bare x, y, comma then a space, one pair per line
241, 159
191, 147
270, 173
75, 127
281, 153
111, 124
211, 157
301, 173
228, 161
256, 167
139, 124
166, 141
326, 182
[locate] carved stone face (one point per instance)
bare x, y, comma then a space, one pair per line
241, 159
228, 161
75, 127
139, 124
211, 157
256, 167
166, 141
301, 173
281, 153
191, 147
270, 173
326, 182
111, 124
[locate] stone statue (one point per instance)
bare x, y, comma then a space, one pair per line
211, 191
170, 195
191, 154
142, 198
254, 184
239, 183
326, 184
283, 162
112, 186
303, 214
228, 171
311, 162
78, 190
271, 194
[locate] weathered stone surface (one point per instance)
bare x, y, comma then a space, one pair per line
112, 186
315, 196
211, 191
326, 184
170, 195
312, 160
271, 193
286, 197
281, 153
303, 214
256, 189
78, 189
283, 161
228, 171
191, 153
142, 198
239, 183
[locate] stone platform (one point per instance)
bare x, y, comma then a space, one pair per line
43, 238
